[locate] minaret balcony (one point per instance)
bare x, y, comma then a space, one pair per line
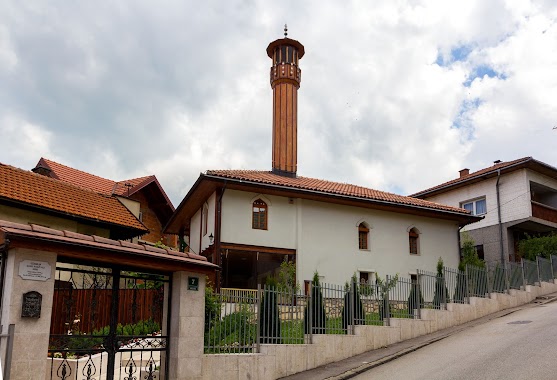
285, 72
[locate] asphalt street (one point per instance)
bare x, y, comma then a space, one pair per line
521, 345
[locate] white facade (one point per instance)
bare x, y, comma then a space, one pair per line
514, 192
325, 236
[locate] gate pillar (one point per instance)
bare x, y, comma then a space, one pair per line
31, 336
187, 317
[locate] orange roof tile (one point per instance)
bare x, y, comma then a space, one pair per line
334, 188
492, 169
37, 190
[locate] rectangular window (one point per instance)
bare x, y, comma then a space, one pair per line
476, 207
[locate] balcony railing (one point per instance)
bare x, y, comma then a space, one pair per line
544, 212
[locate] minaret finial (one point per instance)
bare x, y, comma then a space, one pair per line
285, 31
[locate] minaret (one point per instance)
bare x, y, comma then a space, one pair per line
285, 82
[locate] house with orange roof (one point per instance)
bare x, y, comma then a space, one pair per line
249, 222
143, 196
515, 198
27, 197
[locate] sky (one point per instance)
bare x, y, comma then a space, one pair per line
395, 95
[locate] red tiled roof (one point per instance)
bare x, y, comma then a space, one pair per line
334, 188
37, 190
471, 176
90, 181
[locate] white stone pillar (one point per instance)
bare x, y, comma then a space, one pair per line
30, 344
187, 318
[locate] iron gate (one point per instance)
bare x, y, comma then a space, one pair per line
108, 323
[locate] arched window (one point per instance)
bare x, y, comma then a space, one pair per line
414, 242
363, 236
259, 215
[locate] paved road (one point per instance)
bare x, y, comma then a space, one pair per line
521, 345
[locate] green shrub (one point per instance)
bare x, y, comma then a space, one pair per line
533, 246
212, 307
318, 317
236, 330
441, 291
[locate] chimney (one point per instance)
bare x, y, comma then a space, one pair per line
285, 82
464, 172
42, 170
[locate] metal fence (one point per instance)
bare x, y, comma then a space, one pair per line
477, 281
498, 278
516, 275
433, 290
457, 286
554, 265
531, 274
238, 321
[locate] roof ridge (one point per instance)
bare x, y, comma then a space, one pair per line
495, 166
77, 170
55, 180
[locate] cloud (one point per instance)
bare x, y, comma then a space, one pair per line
395, 95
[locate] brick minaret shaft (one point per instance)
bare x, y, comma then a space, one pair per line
285, 82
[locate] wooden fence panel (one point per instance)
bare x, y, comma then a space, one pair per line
81, 311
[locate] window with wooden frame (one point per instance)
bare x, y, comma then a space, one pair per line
413, 239
205, 218
363, 236
259, 215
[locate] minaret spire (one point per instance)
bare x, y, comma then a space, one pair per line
285, 82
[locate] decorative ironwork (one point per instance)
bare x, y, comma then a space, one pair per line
130, 369
64, 371
89, 370
99, 312
151, 369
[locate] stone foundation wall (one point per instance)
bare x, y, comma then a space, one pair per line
279, 360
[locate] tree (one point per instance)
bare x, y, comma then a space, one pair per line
269, 318
469, 253
441, 291
316, 308
353, 309
286, 279
470, 257
384, 287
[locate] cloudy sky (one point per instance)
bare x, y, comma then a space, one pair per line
395, 95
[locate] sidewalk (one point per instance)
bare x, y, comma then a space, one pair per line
348, 368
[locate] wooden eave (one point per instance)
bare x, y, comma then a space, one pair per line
207, 184
80, 249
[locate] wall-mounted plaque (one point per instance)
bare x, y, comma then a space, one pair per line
34, 270
31, 306
193, 283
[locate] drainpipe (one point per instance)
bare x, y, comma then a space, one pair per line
499, 215
4, 254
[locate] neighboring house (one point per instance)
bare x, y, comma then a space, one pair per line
30, 198
248, 222
515, 198
143, 196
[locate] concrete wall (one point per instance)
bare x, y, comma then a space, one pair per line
276, 361
325, 236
